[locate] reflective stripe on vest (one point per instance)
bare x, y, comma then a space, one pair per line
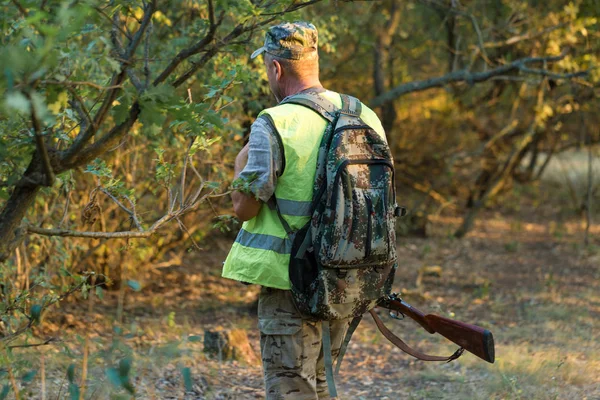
264, 242
261, 251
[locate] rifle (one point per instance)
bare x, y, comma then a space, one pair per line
473, 338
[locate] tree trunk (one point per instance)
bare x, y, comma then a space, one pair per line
15, 208
10, 219
381, 58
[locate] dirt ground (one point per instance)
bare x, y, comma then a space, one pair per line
531, 282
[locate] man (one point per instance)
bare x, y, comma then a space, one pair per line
278, 166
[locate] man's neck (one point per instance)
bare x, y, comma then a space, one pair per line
297, 87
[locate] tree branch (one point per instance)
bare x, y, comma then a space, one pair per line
135, 80
239, 30
116, 81
41, 146
131, 212
86, 119
44, 343
294, 7
465, 14
80, 83
22, 9
475, 77
519, 38
194, 49
107, 141
114, 24
147, 57
12, 336
94, 235
187, 207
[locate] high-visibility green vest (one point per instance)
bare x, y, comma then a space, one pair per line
261, 251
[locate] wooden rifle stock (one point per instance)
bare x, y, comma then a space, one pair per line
473, 338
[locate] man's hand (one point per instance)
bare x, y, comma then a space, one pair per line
245, 206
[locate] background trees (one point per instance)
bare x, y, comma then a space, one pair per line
119, 120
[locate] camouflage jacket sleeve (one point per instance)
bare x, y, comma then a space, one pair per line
264, 160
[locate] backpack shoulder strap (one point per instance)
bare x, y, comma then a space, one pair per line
351, 328
322, 106
328, 359
351, 106
273, 205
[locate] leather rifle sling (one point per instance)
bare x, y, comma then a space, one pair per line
406, 348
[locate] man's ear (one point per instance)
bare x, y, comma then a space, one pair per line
278, 70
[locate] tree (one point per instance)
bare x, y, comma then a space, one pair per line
112, 127
510, 79
81, 60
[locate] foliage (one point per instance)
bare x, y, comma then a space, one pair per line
116, 119
461, 147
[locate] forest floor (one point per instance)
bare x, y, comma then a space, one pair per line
523, 273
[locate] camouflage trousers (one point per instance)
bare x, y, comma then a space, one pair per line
291, 348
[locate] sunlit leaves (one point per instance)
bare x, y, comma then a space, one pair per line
164, 170
104, 173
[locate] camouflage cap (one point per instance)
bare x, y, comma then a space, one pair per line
291, 40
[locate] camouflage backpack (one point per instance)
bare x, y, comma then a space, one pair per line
344, 259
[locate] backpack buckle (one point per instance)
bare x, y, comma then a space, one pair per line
350, 113
400, 211
341, 273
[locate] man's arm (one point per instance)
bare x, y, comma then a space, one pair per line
245, 206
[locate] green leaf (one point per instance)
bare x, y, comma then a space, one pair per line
212, 92
129, 387
99, 168
28, 377
163, 94
17, 101
213, 185
214, 119
187, 378
135, 285
113, 376
10, 79
114, 64
194, 339
74, 391
121, 110
71, 373
120, 377
99, 292
36, 312
125, 367
5, 391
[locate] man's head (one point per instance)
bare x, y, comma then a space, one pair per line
290, 57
